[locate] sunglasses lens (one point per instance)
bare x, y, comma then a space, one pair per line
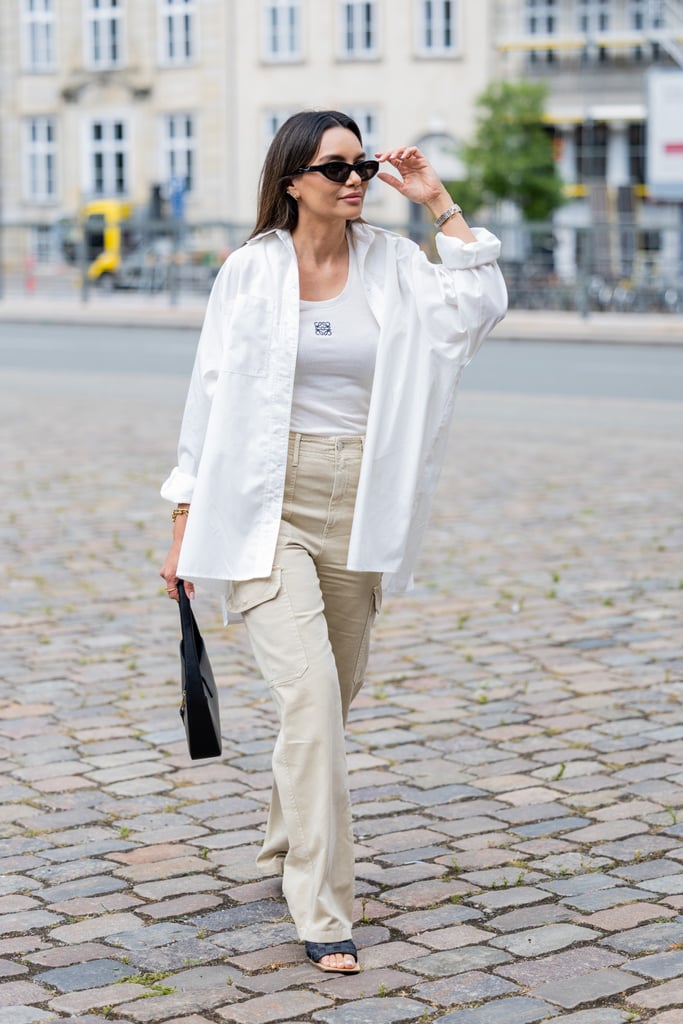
337, 171
368, 169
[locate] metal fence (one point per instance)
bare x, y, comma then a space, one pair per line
68, 260
601, 267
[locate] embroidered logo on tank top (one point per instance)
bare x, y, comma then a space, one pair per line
323, 327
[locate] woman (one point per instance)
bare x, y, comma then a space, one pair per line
312, 438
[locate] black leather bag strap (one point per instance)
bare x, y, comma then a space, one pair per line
199, 709
188, 629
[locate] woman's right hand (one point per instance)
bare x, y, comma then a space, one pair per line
169, 570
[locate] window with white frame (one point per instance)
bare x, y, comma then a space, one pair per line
272, 121
178, 31
367, 120
637, 14
179, 148
108, 158
594, 16
104, 34
358, 28
438, 29
38, 34
281, 30
540, 19
591, 140
643, 15
40, 145
43, 243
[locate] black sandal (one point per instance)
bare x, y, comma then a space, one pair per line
315, 951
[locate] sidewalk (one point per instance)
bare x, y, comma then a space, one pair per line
519, 325
516, 754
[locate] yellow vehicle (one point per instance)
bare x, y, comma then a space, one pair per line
108, 238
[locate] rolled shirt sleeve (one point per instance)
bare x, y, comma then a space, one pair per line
472, 281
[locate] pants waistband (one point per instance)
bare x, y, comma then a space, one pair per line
322, 443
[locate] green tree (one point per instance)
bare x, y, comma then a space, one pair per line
512, 155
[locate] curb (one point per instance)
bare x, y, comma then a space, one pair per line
603, 328
518, 325
102, 314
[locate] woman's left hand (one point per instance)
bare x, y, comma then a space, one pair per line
419, 181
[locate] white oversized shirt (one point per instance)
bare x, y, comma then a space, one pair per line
232, 452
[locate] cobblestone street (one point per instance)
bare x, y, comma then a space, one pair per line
516, 754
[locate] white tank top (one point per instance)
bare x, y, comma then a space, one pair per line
335, 362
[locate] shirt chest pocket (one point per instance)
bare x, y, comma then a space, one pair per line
249, 335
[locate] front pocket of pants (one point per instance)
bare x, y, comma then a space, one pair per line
364, 650
269, 617
288, 495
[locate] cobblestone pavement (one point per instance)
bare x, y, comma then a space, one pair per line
516, 755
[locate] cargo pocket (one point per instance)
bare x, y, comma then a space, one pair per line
364, 650
267, 611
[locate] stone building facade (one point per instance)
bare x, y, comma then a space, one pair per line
595, 57
109, 98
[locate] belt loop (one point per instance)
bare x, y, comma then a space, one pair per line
297, 444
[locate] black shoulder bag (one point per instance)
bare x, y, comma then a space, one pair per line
199, 709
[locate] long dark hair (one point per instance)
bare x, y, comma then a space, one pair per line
295, 144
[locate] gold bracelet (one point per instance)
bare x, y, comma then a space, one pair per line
179, 512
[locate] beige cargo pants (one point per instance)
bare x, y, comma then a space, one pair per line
309, 624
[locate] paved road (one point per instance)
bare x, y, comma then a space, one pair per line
562, 368
516, 755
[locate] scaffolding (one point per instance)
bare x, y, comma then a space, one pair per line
574, 29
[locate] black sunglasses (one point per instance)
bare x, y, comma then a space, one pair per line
338, 171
